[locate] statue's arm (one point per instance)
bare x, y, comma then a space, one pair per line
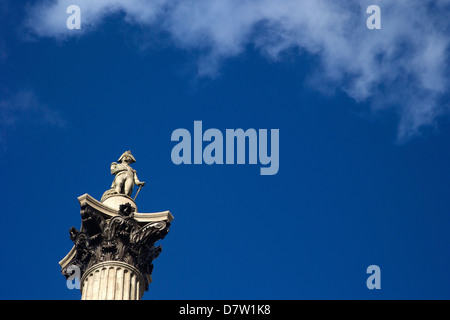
137, 182
114, 168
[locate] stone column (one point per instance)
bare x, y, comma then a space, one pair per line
114, 249
112, 280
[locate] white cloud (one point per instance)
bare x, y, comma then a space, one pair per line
48, 18
400, 67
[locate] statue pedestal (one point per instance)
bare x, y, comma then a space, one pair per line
114, 201
114, 249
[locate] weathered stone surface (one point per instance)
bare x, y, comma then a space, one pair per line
114, 201
123, 236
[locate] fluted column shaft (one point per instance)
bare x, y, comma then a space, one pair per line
112, 280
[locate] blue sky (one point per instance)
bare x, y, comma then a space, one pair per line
364, 132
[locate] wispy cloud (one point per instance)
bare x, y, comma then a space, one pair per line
403, 67
23, 108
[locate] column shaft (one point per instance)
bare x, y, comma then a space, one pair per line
112, 280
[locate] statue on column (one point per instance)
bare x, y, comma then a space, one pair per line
125, 176
115, 237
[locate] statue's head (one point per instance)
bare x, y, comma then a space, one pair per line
127, 157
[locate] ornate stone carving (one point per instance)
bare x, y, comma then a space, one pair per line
122, 237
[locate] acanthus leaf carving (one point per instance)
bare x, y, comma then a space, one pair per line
119, 238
